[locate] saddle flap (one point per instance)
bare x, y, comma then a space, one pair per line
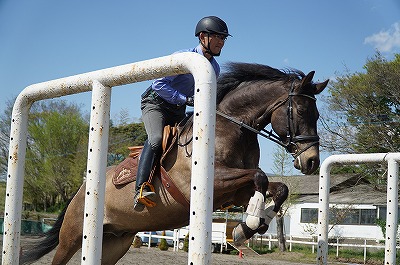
125, 172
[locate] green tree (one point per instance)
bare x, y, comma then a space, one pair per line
56, 152
123, 136
364, 111
5, 123
123, 117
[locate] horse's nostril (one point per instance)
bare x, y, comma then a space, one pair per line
310, 164
297, 163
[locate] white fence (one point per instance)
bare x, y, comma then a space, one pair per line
311, 241
101, 82
177, 236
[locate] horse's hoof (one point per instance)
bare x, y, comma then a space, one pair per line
262, 229
241, 233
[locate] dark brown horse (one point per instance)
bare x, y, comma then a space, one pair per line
249, 97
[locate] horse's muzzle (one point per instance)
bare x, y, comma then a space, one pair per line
308, 161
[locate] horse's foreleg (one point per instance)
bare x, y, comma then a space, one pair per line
260, 215
279, 193
255, 211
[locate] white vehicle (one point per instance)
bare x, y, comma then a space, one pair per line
176, 237
145, 236
218, 240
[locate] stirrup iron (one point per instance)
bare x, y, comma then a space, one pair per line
143, 200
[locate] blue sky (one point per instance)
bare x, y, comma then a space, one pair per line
43, 40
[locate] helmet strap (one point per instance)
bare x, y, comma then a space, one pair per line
208, 49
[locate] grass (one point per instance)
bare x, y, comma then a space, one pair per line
345, 255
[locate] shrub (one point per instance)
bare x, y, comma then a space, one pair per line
137, 242
163, 243
186, 243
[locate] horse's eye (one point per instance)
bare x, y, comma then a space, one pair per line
301, 111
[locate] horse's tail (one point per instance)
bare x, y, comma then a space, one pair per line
50, 241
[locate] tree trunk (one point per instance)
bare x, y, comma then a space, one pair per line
280, 232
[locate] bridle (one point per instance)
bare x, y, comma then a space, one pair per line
292, 140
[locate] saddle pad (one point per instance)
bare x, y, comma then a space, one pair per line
126, 171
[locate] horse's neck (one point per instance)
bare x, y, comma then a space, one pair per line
252, 104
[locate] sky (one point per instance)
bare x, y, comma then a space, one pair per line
43, 40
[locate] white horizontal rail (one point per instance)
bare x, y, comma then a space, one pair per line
101, 82
312, 243
218, 237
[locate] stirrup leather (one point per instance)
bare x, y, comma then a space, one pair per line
144, 200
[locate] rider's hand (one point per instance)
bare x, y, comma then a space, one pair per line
190, 101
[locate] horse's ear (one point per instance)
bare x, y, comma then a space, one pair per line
319, 87
307, 79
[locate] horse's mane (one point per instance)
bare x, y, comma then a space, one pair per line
238, 73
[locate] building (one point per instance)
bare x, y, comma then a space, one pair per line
355, 205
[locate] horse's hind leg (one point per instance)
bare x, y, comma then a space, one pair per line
70, 243
70, 237
115, 247
65, 252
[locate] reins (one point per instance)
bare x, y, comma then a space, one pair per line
292, 139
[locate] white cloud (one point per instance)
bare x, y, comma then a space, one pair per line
386, 41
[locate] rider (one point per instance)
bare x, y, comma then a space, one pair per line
164, 102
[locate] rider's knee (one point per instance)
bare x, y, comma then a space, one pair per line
155, 142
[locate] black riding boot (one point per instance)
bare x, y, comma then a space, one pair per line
146, 161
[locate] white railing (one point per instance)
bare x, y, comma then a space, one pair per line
218, 237
311, 241
392, 200
100, 83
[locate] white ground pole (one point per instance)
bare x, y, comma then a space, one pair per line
392, 198
101, 82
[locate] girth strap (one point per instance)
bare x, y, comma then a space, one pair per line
175, 192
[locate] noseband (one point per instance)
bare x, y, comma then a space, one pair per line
292, 140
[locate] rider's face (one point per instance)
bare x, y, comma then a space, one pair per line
216, 41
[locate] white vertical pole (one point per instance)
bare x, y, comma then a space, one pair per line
323, 212
15, 182
392, 212
96, 174
202, 179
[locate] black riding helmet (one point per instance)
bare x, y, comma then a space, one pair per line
211, 25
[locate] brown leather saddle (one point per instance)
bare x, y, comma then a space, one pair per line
125, 172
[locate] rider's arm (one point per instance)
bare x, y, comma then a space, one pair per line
164, 89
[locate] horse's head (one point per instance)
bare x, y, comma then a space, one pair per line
295, 122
